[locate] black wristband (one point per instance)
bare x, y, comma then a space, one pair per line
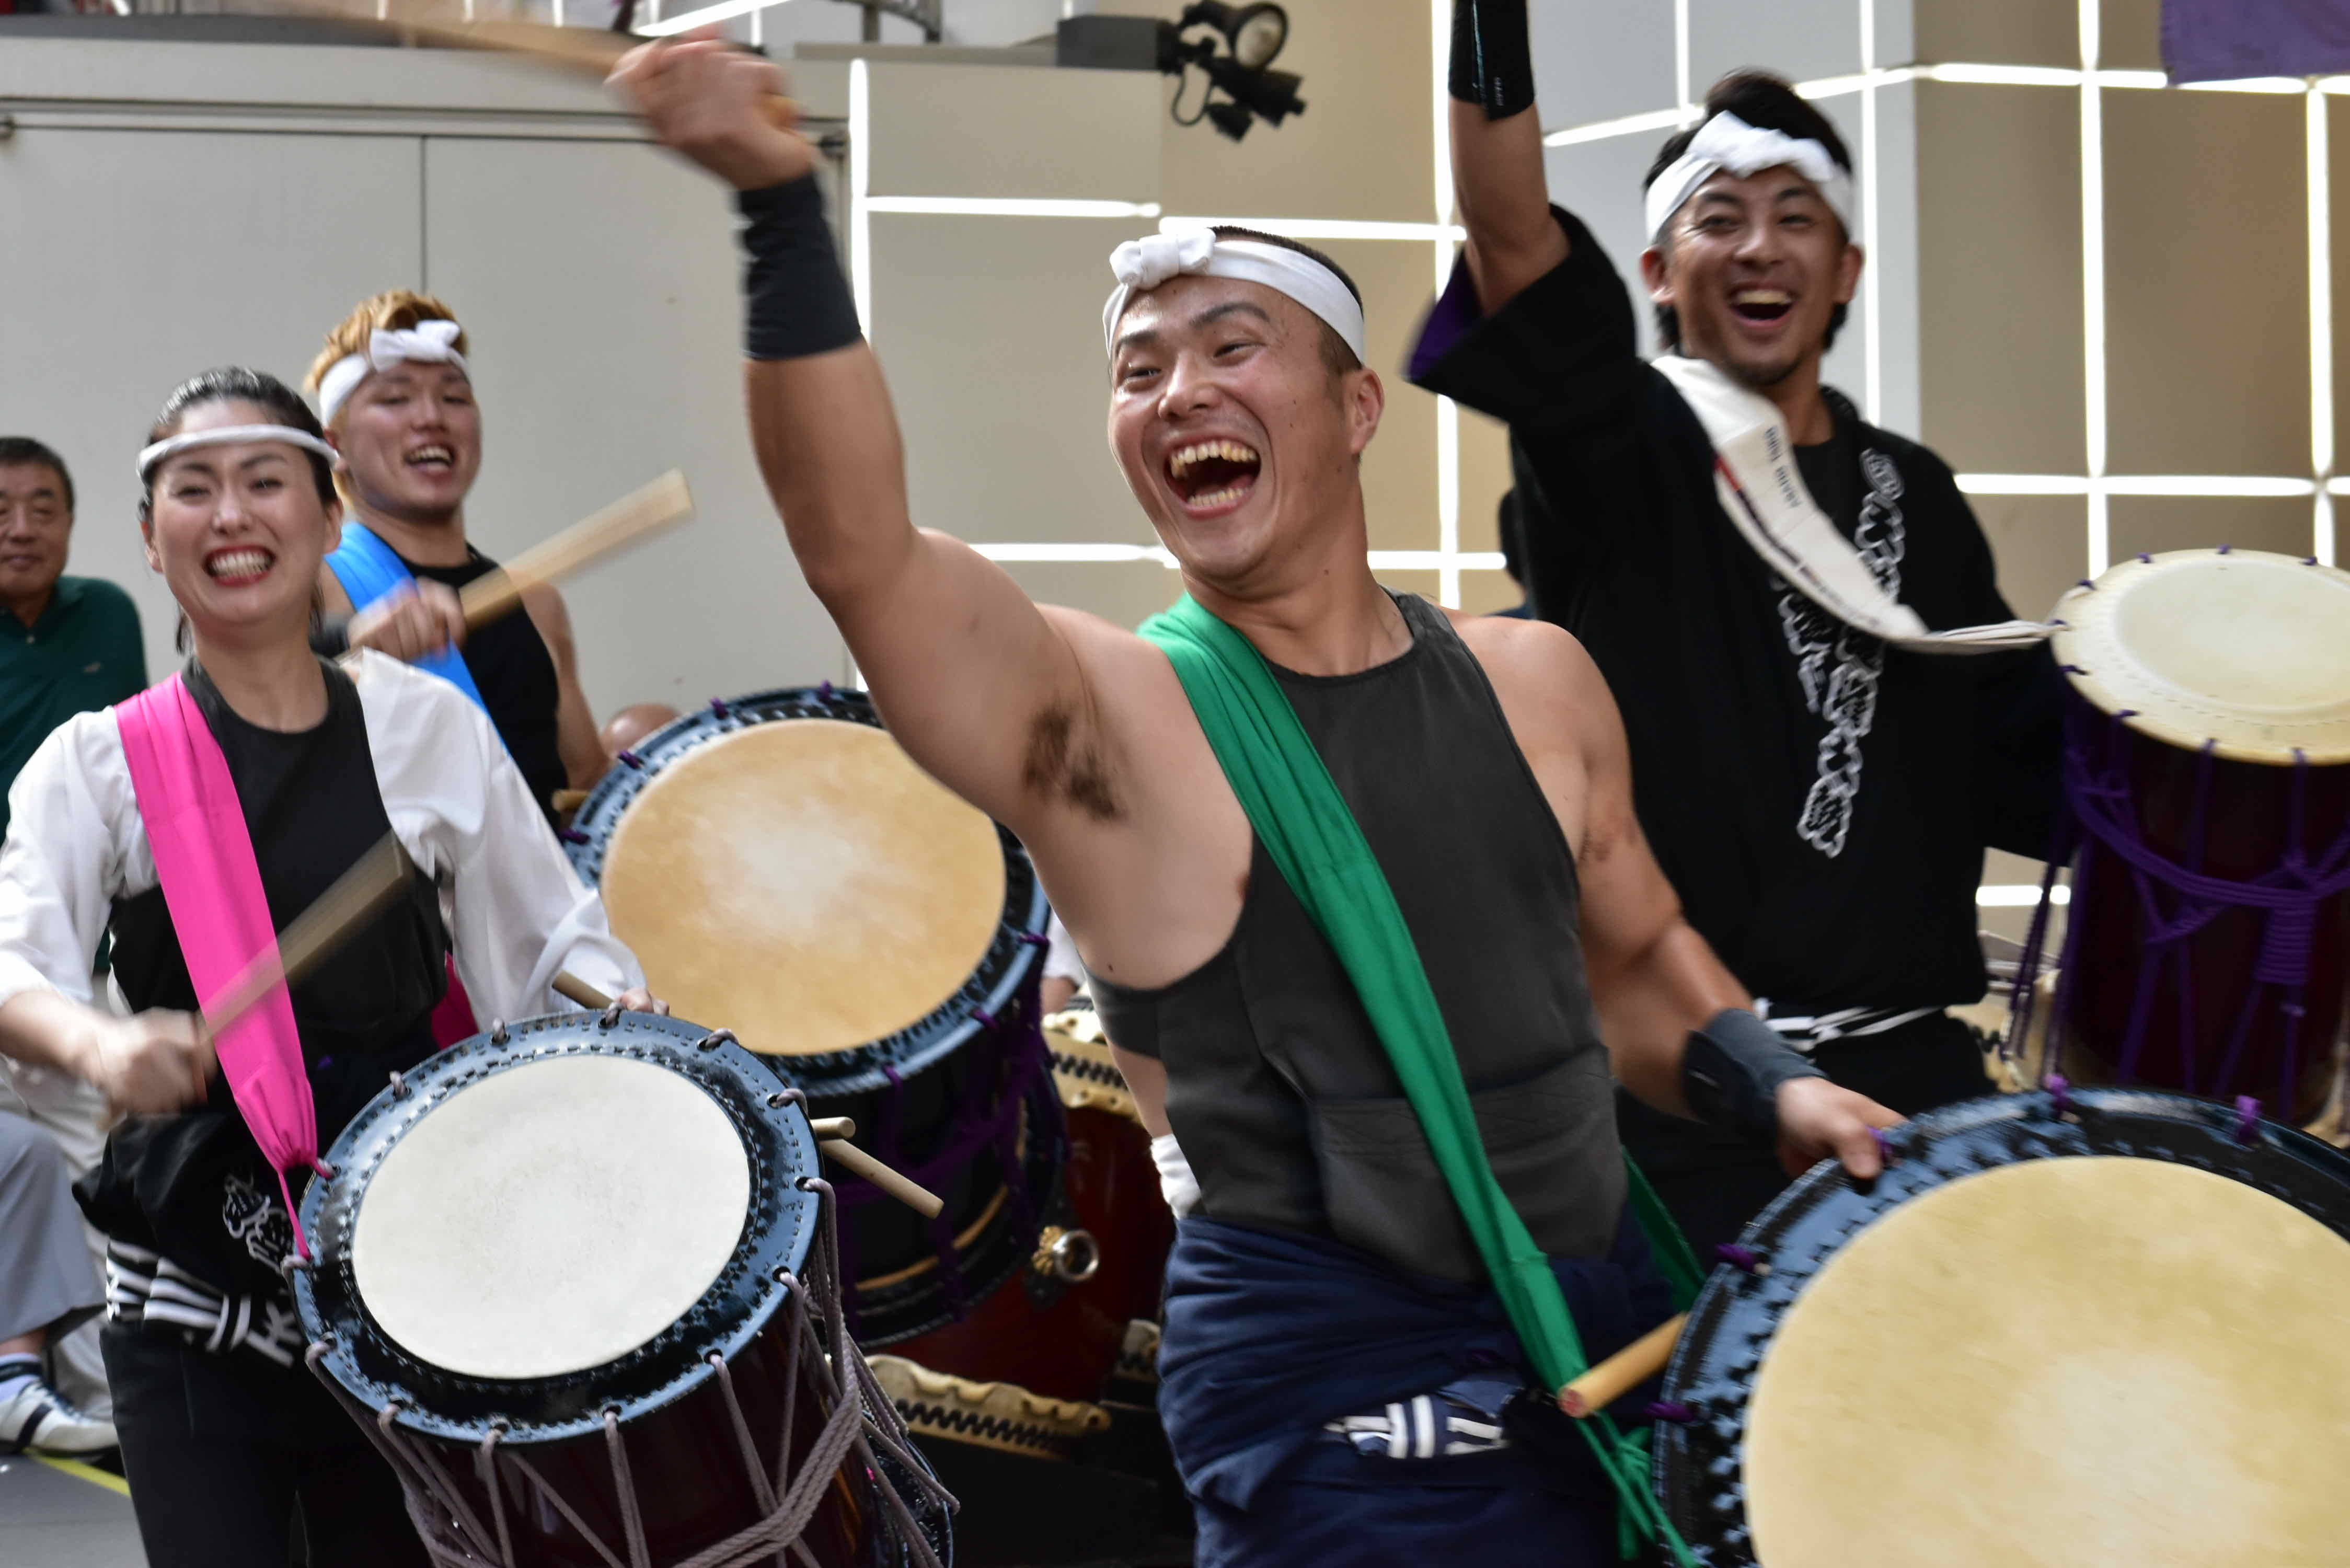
330, 639
1732, 1072
1492, 58
796, 302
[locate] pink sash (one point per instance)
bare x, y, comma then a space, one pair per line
212, 885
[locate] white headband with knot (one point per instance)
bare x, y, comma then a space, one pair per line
1143, 264
151, 457
428, 342
1728, 143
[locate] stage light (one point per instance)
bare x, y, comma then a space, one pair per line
1254, 33
1270, 96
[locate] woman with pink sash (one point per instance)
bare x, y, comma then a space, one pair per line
194, 822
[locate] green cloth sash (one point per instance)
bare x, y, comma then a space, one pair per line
1297, 810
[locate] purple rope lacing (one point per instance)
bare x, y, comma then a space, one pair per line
2177, 900
1016, 1060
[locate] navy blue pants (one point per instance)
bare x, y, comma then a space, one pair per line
1334, 1507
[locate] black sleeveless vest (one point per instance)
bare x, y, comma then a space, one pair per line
1278, 1088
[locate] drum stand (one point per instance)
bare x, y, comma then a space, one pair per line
863, 1432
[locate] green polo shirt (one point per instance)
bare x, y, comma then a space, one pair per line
84, 653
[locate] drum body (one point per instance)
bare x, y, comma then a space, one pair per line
2205, 1028
2208, 771
1112, 1181
573, 1277
2029, 1342
784, 871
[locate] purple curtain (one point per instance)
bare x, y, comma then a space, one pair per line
2219, 40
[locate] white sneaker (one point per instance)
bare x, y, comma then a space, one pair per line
38, 1417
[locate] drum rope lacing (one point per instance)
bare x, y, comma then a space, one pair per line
1020, 1063
2179, 900
863, 1422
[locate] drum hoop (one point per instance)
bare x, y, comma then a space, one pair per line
1698, 1462
1016, 949
2081, 638
778, 1233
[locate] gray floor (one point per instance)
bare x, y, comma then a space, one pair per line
52, 1519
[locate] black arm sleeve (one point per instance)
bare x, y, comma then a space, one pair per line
1732, 1070
795, 303
1492, 60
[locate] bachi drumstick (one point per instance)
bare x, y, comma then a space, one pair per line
581, 51
832, 1132
373, 881
1622, 1372
663, 503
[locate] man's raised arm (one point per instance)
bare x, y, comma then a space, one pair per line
960, 660
1497, 152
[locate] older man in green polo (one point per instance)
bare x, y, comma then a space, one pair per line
68, 645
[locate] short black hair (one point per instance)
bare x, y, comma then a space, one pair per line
1767, 102
16, 449
1336, 353
237, 384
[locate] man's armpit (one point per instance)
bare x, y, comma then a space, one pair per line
1063, 763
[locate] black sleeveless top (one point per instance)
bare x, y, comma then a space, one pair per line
194, 1186
516, 675
1278, 1088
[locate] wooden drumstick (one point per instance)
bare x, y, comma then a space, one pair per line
836, 1146
921, 1199
373, 881
1622, 1372
572, 988
660, 505
580, 51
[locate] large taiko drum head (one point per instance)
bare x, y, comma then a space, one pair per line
585, 1235
804, 883
785, 872
564, 1203
2246, 650
2105, 1343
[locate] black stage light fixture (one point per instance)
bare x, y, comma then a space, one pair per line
1254, 35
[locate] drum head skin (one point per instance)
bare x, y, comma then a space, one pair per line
2104, 1333
552, 1218
805, 885
2248, 650
784, 871
562, 1217
2089, 1362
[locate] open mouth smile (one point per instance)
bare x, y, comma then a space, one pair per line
1214, 474
239, 565
434, 459
1760, 306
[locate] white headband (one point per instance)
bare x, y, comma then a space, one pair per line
150, 458
428, 342
1728, 142
1143, 264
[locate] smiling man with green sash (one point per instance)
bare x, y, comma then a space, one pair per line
1359, 882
